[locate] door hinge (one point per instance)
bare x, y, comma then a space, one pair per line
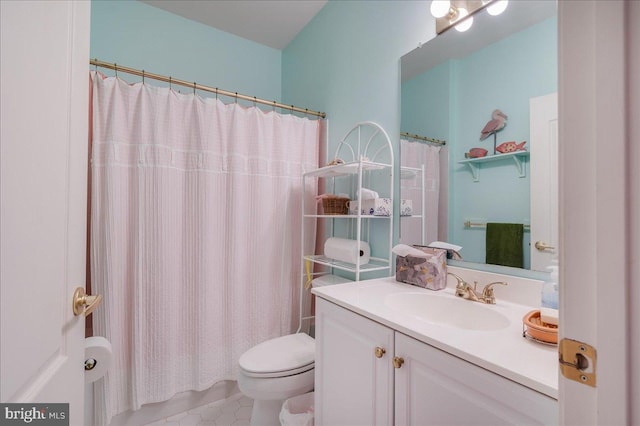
577, 361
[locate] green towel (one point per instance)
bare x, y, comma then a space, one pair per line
504, 244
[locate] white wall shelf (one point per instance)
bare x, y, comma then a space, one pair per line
518, 157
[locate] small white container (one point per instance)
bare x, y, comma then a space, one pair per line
406, 207
373, 207
298, 411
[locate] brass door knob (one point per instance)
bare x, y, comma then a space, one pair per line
397, 361
380, 352
542, 246
82, 302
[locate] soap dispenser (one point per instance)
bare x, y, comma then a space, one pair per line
549, 299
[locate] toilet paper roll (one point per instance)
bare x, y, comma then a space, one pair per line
346, 250
97, 358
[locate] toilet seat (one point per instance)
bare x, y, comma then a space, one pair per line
279, 357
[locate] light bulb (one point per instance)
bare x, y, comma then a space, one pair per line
497, 7
440, 8
463, 26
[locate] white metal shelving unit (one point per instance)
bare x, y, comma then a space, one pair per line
407, 173
368, 159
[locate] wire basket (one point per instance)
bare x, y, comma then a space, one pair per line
335, 205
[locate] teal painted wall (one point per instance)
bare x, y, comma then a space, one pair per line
426, 100
346, 62
137, 35
504, 75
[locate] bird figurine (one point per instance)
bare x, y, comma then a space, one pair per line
497, 123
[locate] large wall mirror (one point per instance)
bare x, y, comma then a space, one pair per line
451, 86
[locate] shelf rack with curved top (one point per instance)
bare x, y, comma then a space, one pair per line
366, 160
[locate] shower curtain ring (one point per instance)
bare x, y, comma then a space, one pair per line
274, 106
216, 93
254, 101
143, 77
95, 63
169, 82
194, 88
236, 97
115, 67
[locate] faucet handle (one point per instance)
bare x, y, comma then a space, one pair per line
461, 283
487, 292
461, 287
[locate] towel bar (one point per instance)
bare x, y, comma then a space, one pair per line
470, 224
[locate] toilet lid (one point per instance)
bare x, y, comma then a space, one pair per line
286, 355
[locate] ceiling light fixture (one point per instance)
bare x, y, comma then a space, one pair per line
440, 8
466, 23
459, 13
497, 7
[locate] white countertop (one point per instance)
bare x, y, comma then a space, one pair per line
504, 351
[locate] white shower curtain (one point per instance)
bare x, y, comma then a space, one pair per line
416, 154
195, 236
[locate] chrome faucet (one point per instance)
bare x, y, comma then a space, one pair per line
464, 290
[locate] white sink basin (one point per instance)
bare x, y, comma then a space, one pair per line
448, 310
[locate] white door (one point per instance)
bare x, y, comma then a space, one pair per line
596, 227
543, 119
45, 54
353, 369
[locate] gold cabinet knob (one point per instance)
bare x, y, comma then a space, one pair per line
380, 352
82, 302
542, 246
397, 361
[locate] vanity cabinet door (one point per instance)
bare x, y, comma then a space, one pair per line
353, 380
435, 388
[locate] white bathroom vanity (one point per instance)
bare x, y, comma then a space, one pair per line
389, 353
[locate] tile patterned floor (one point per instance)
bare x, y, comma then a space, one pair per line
233, 411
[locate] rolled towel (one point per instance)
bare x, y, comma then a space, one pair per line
368, 194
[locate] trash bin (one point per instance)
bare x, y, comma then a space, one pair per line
297, 411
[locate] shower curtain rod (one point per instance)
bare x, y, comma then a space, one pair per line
423, 138
193, 85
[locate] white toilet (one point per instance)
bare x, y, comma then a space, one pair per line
274, 371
